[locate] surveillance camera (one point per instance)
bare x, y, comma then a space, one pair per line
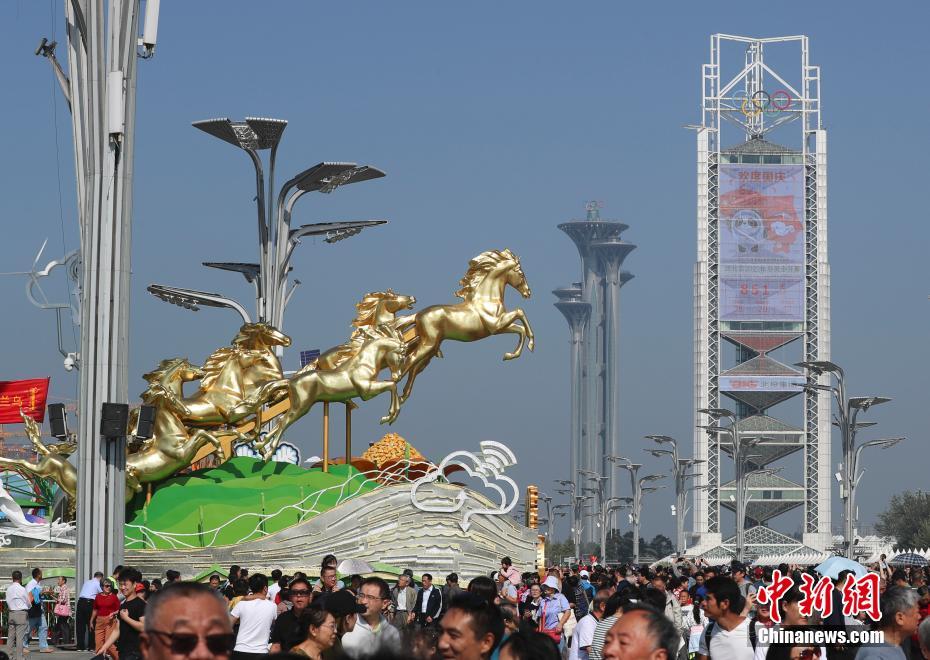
70, 361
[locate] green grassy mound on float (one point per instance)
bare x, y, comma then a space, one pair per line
241, 500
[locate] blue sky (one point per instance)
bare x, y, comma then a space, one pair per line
495, 122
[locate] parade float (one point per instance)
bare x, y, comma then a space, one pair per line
215, 483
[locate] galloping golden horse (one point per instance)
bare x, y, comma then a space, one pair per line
480, 314
232, 374
357, 377
376, 312
173, 446
53, 463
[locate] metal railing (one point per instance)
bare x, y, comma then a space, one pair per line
48, 613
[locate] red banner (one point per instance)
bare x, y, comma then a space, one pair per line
29, 395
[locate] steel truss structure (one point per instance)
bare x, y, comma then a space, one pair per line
738, 104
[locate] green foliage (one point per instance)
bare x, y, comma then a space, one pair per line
907, 519
233, 497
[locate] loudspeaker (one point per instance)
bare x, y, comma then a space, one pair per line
146, 422
57, 421
113, 419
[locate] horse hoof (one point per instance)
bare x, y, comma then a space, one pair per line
531, 345
510, 356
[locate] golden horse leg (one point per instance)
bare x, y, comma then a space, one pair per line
416, 366
212, 440
296, 411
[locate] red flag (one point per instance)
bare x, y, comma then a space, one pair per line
29, 395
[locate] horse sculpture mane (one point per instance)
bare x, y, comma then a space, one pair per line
242, 342
368, 305
479, 267
163, 367
213, 365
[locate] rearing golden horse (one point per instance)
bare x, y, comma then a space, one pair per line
480, 314
355, 378
376, 312
232, 374
173, 446
53, 463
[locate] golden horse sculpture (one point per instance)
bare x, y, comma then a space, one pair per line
172, 446
232, 374
53, 463
344, 375
376, 312
357, 377
480, 314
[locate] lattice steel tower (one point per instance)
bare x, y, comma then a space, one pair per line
592, 309
761, 283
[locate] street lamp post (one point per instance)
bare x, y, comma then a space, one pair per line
576, 507
548, 502
603, 510
605, 514
740, 459
848, 409
275, 237
680, 468
638, 488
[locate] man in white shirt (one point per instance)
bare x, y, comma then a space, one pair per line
428, 604
274, 588
729, 630
584, 630
255, 617
372, 633
17, 604
85, 609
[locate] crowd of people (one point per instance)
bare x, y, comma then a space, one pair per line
681, 611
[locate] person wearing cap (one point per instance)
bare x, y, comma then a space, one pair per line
345, 608
586, 584
746, 588
289, 628
554, 611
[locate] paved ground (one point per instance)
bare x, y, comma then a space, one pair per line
57, 654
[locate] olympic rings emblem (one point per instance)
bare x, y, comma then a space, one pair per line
761, 101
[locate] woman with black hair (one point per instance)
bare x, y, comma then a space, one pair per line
321, 634
529, 646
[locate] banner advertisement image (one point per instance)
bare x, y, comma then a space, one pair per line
760, 383
761, 239
28, 395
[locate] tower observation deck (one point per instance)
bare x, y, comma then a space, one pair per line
761, 292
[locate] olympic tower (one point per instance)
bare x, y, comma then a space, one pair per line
592, 309
761, 293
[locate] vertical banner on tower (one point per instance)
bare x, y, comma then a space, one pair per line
28, 395
761, 238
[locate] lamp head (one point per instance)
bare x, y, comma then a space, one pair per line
717, 413
863, 403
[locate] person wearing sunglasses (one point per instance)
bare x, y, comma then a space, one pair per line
187, 620
289, 628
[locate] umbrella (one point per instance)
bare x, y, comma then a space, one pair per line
354, 567
833, 566
909, 559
